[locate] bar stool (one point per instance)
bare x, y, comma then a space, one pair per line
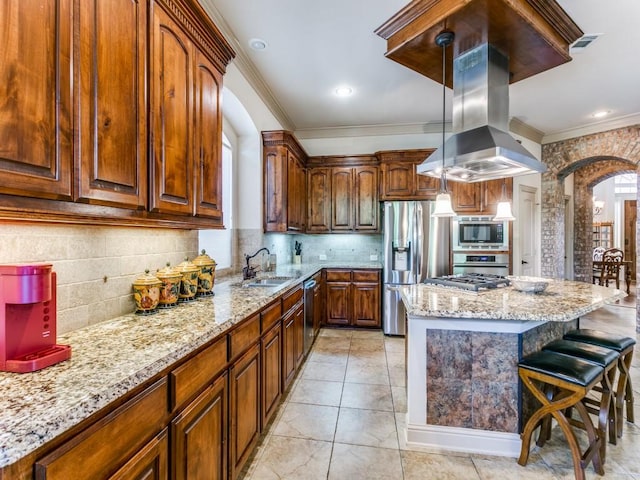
573, 379
602, 407
623, 391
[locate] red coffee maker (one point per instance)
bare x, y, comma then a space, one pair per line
28, 319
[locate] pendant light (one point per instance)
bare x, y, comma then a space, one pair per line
443, 206
503, 211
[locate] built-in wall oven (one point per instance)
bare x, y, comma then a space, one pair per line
479, 232
484, 263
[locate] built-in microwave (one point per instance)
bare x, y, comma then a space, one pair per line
480, 232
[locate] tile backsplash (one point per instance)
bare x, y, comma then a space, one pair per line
95, 266
340, 247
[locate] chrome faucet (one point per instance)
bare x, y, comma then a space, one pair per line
249, 271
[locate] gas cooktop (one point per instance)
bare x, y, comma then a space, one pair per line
471, 281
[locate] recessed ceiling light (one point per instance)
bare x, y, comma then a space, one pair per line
344, 91
257, 44
601, 114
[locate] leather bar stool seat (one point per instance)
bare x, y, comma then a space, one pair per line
603, 407
571, 378
623, 390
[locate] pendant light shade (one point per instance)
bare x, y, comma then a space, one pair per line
503, 211
443, 206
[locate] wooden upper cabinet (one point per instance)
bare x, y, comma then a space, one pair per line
112, 145
36, 131
366, 205
319, 199
478, 197
208, 139
341, 198
285, 184
172, 93
399, 178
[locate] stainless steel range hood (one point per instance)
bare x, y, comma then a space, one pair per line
481, 147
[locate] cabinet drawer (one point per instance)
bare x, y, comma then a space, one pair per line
338, 275
111, 441
291, 298
244, 336
270, 315
366, 275
196, 373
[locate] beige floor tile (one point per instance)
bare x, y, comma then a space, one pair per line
331, 372
353, 462
317, 392
394, 344
399, 395
362, 395
332, 344
499, 468
420, 466
313, 422
367, 345
335, 333
569, 474
397, 376
368, 358
329, 357
367, 427
395, 359
373, 374
293, 459
368, 335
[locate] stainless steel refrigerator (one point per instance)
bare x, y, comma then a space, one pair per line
416, 246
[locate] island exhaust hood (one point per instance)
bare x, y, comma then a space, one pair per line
481, 147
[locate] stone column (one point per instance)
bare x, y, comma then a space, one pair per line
552, 223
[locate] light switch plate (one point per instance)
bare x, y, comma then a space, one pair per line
322, 257
373, 257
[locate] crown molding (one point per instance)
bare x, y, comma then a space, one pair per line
247, 68
372, 130
518, 127
591, 128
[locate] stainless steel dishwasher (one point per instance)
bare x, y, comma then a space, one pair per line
308, 288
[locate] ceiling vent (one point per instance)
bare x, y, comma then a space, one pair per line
583, 42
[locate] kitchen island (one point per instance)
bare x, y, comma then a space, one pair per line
463, 348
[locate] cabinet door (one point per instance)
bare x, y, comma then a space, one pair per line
426, 187
271, 354
288, 349
366, 199
492, 193
244, 408
366, 304
296, 187
466, 197
199, 436
275, 175
208, 140
299, 334
171, 111
319, 200
35, 87
341, 198
150, 463
338, 301
397, 180
112, 97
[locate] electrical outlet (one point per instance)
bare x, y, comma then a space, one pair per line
373, 257
322, 256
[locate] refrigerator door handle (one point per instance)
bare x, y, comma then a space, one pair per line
393, 289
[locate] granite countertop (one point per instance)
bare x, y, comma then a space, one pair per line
113, 357
562, 301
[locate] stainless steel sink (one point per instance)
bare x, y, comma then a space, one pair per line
268, 282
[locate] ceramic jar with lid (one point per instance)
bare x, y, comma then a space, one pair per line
146, 293
189, 283
170, 290
207, 274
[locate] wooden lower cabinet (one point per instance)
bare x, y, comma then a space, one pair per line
199, 436
244, 408
353, 298
150, 463
288, 349
271, 387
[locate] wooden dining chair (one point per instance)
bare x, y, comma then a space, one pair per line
612, 262
598, 252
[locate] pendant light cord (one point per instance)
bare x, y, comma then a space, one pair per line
443, 177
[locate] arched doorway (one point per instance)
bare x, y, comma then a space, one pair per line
601, 155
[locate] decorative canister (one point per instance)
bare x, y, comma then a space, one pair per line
207, 275
170, 290
189, 284
146, 292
